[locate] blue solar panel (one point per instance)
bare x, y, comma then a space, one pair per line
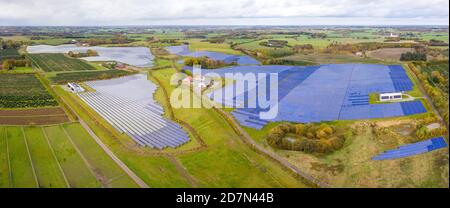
183, 50
413, 149
399, 78
327, 92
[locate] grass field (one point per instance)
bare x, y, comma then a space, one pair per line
58, 62
317, 43
197, 45
321, 58
75, 169
21, 171
56, 156
46, 166
23, 90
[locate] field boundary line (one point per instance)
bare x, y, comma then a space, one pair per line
105, 148
54, 156
38, 116
179, 166
29, 156
7, 156
90, 167
119, 162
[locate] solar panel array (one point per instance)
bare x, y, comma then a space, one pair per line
413, 149
413, 107
325, 93
400, 79
127, 104
183, 50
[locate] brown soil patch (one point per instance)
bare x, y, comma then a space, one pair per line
32, 112
389, 53
41, 116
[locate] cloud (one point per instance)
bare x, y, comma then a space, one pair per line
220, 12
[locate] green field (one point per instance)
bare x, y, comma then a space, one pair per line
321, 58
56, 156
75, 169
197, 45
58, 62
46, 166
9, 53
23, 90
21, 172
63, 78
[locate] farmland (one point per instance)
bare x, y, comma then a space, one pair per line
63, 78
55, 156
37, 116
392, 54
9, 53
197, 45
58, 62
23, 90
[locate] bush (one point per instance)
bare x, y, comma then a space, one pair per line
413, 56
206, 63
310, 138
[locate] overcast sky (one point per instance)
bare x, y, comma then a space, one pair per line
224, 12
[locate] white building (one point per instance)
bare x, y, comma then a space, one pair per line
390, 96
75, 87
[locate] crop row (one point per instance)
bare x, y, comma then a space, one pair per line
59, 62
63, 78
23, 90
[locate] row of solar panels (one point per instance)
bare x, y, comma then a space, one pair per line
141, 122
249, 119
399, 78
127, 104
413, 149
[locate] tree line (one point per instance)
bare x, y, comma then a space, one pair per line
206, 63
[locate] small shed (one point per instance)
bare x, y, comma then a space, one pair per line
390, 96
75, 87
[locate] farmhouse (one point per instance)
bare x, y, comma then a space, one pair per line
75, 87
390, 96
